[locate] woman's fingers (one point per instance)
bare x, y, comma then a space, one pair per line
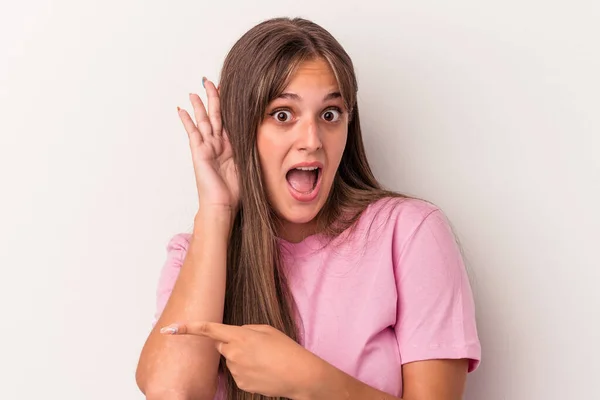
207, 123
222, 348
213, 330
225, 135
190, 127
202, 121
259, 328
220, 333
214, 107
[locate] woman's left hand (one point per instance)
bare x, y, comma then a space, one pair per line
261, 358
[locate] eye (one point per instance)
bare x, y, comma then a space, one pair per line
282, 115
332, 114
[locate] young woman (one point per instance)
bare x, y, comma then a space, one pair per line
303, 278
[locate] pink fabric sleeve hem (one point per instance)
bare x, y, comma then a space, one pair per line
471, 352
176, 250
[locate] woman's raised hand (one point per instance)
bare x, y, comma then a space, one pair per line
215, 172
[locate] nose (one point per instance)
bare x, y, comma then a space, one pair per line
309, 137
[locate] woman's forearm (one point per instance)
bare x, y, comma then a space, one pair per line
330, 383
445, 379
188, 365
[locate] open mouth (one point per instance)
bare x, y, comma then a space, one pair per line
303, 179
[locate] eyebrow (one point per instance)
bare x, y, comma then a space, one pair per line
294, 96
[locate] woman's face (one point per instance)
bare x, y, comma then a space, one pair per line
300, 144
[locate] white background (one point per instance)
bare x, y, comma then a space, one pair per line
488, 108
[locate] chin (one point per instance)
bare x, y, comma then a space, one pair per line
299, 216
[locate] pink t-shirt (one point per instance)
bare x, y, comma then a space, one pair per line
393, 292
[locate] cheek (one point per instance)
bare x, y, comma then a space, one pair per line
337, 145
269, 152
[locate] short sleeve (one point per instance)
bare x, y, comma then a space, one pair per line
435, 311
176, 250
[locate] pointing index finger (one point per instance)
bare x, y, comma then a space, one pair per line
221, 332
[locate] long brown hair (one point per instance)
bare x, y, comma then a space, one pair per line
257, 70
